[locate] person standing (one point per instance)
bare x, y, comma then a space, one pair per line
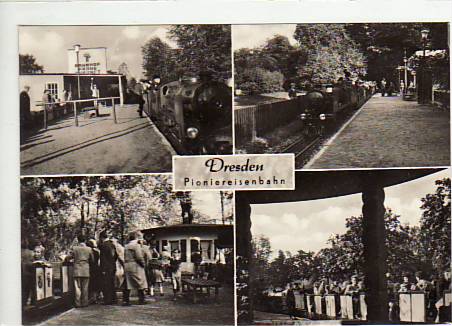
25, 112
176, 274
157, 277
134, 265
139, 91
147, 261
108, 257
83, 257
383, 86
95, 94
27, 258
95, 275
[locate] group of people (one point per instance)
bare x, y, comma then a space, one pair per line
137, 266
434, 290
389, 88
101, 267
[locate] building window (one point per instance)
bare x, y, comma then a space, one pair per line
174, 245
206, 249
53, 88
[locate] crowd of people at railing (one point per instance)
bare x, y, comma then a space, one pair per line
101, 267
434, 289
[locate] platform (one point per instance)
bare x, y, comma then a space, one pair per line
157, 311
97, 145
388, 132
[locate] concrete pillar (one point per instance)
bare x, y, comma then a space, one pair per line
373, 239
121, 95
243, 260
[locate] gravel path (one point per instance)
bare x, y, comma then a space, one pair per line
389, 132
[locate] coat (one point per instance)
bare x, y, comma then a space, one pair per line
108, 256
134, 264
83, 257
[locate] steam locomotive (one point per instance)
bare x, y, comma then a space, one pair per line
195, 116
323, 104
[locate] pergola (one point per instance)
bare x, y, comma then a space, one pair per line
311, 185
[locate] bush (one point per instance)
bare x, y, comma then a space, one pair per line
258, 81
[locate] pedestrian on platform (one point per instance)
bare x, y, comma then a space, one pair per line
139, 92
25, 113
108, 258
83, 257
383, 86
147, 260
134, 268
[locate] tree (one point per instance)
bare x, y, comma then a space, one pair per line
28, 65
203, 48
259, 80
330, 50
159, 59
436, 225
385, 44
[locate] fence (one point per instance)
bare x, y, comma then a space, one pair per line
441, 98
54, 111
254, 121
411, 306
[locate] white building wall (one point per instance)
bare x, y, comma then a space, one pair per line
88, 56
37, 84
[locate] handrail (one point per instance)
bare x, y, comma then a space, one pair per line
74, 102
78, 101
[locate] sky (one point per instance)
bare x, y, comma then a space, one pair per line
49, 44
251, 36
308, 225
207, 202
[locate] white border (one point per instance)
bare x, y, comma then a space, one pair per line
142, 12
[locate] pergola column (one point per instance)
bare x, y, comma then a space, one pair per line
243, 259
373, 239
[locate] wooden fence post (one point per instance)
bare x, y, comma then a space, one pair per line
253, 124
75, 115
114, 110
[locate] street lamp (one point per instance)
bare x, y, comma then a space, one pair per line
423, 89
77, 52
405, 62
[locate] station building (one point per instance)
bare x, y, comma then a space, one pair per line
92, 70
210, 239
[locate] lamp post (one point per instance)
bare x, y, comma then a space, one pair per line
422, 85
405, 62
77, 52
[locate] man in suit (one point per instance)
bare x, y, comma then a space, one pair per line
134, 268
83, 257
108, 257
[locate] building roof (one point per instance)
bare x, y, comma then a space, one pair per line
91, 48
189, 227
311, 185
71, 74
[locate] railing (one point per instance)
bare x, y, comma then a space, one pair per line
49, 108
410, 307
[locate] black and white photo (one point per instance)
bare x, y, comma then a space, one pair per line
338, 96
113, 250
346, 246
122, 99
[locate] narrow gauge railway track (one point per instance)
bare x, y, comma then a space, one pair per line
302, 148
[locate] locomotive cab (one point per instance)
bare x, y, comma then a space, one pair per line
196, 116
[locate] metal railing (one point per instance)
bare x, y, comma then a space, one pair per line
76, 111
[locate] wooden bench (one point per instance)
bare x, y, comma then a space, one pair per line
195, 288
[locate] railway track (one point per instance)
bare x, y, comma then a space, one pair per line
302, 148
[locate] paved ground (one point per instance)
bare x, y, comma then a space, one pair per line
158, 311
389, 132
268, 318
98, 145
